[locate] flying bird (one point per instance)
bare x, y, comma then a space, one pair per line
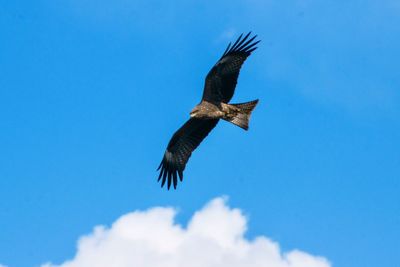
219, 88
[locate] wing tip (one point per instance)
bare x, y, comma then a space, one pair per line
242, 45
169, 174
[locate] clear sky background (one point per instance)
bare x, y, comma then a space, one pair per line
91, 92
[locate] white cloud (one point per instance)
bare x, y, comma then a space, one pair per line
214, 237
1, 265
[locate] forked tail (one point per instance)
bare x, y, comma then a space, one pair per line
241, 113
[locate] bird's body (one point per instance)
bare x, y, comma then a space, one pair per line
234, 113
218, 90
207, 110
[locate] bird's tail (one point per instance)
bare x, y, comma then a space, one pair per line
241, 113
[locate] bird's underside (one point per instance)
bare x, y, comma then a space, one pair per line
238, 114
218, 90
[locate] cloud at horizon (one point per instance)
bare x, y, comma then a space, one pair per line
213, 237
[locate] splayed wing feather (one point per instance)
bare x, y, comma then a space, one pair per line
235, 47
248, 42
226, 50
236, 42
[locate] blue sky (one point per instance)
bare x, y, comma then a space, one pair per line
91, 92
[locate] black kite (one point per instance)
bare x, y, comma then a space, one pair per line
218, 90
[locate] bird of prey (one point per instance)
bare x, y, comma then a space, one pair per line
219, 87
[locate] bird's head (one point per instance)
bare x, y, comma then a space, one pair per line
194, 112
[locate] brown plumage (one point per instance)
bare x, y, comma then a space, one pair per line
218, 91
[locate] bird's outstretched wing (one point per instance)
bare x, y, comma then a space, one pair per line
180, 147
221, 80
